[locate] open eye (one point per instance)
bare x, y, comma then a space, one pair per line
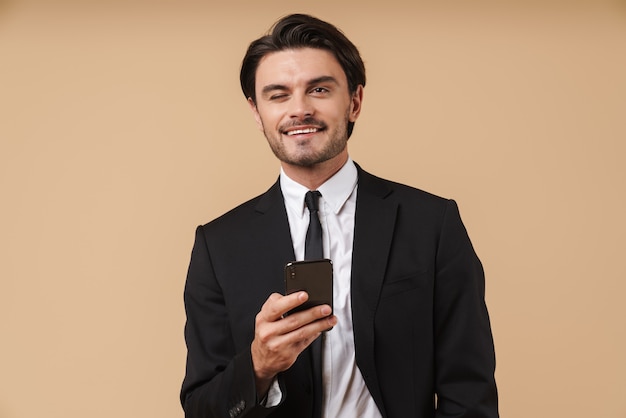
319, 90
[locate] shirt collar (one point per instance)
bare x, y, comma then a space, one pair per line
335, 191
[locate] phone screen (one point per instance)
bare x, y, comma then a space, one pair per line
314, 277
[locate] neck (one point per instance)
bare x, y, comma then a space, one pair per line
314, 176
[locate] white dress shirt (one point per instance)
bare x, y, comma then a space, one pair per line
345, 393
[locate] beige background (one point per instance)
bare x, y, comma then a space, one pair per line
122, 127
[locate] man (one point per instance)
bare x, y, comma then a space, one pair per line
410, 331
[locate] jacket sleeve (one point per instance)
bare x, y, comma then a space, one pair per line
464, 351
219, 382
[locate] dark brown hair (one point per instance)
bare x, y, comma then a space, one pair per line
303, 31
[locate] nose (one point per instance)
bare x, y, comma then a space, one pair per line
300, 106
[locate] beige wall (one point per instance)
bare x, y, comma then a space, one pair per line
120, 125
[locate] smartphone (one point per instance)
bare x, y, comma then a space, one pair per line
314, 277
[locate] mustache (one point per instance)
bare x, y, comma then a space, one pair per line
306, 121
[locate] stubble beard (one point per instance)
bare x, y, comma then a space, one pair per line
303, 156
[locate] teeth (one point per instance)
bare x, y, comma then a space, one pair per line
302, 131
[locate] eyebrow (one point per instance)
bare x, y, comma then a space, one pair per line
317, 80
323, 79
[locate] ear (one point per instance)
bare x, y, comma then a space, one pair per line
255, 112
355, 103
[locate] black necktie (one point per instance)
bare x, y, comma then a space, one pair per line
313, 249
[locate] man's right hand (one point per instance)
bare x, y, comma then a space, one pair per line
278, 339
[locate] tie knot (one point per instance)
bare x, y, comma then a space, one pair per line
310, 199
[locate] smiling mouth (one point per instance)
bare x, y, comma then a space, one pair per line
302, 131
306, 126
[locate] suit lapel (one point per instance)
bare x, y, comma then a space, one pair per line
270, 230
375, 220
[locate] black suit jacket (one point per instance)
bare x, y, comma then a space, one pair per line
422, 334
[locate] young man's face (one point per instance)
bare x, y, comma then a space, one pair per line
303, 106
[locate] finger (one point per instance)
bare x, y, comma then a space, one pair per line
276, 305
298, 320
302, 337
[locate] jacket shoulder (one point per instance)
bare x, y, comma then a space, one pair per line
394, 190
249, 209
